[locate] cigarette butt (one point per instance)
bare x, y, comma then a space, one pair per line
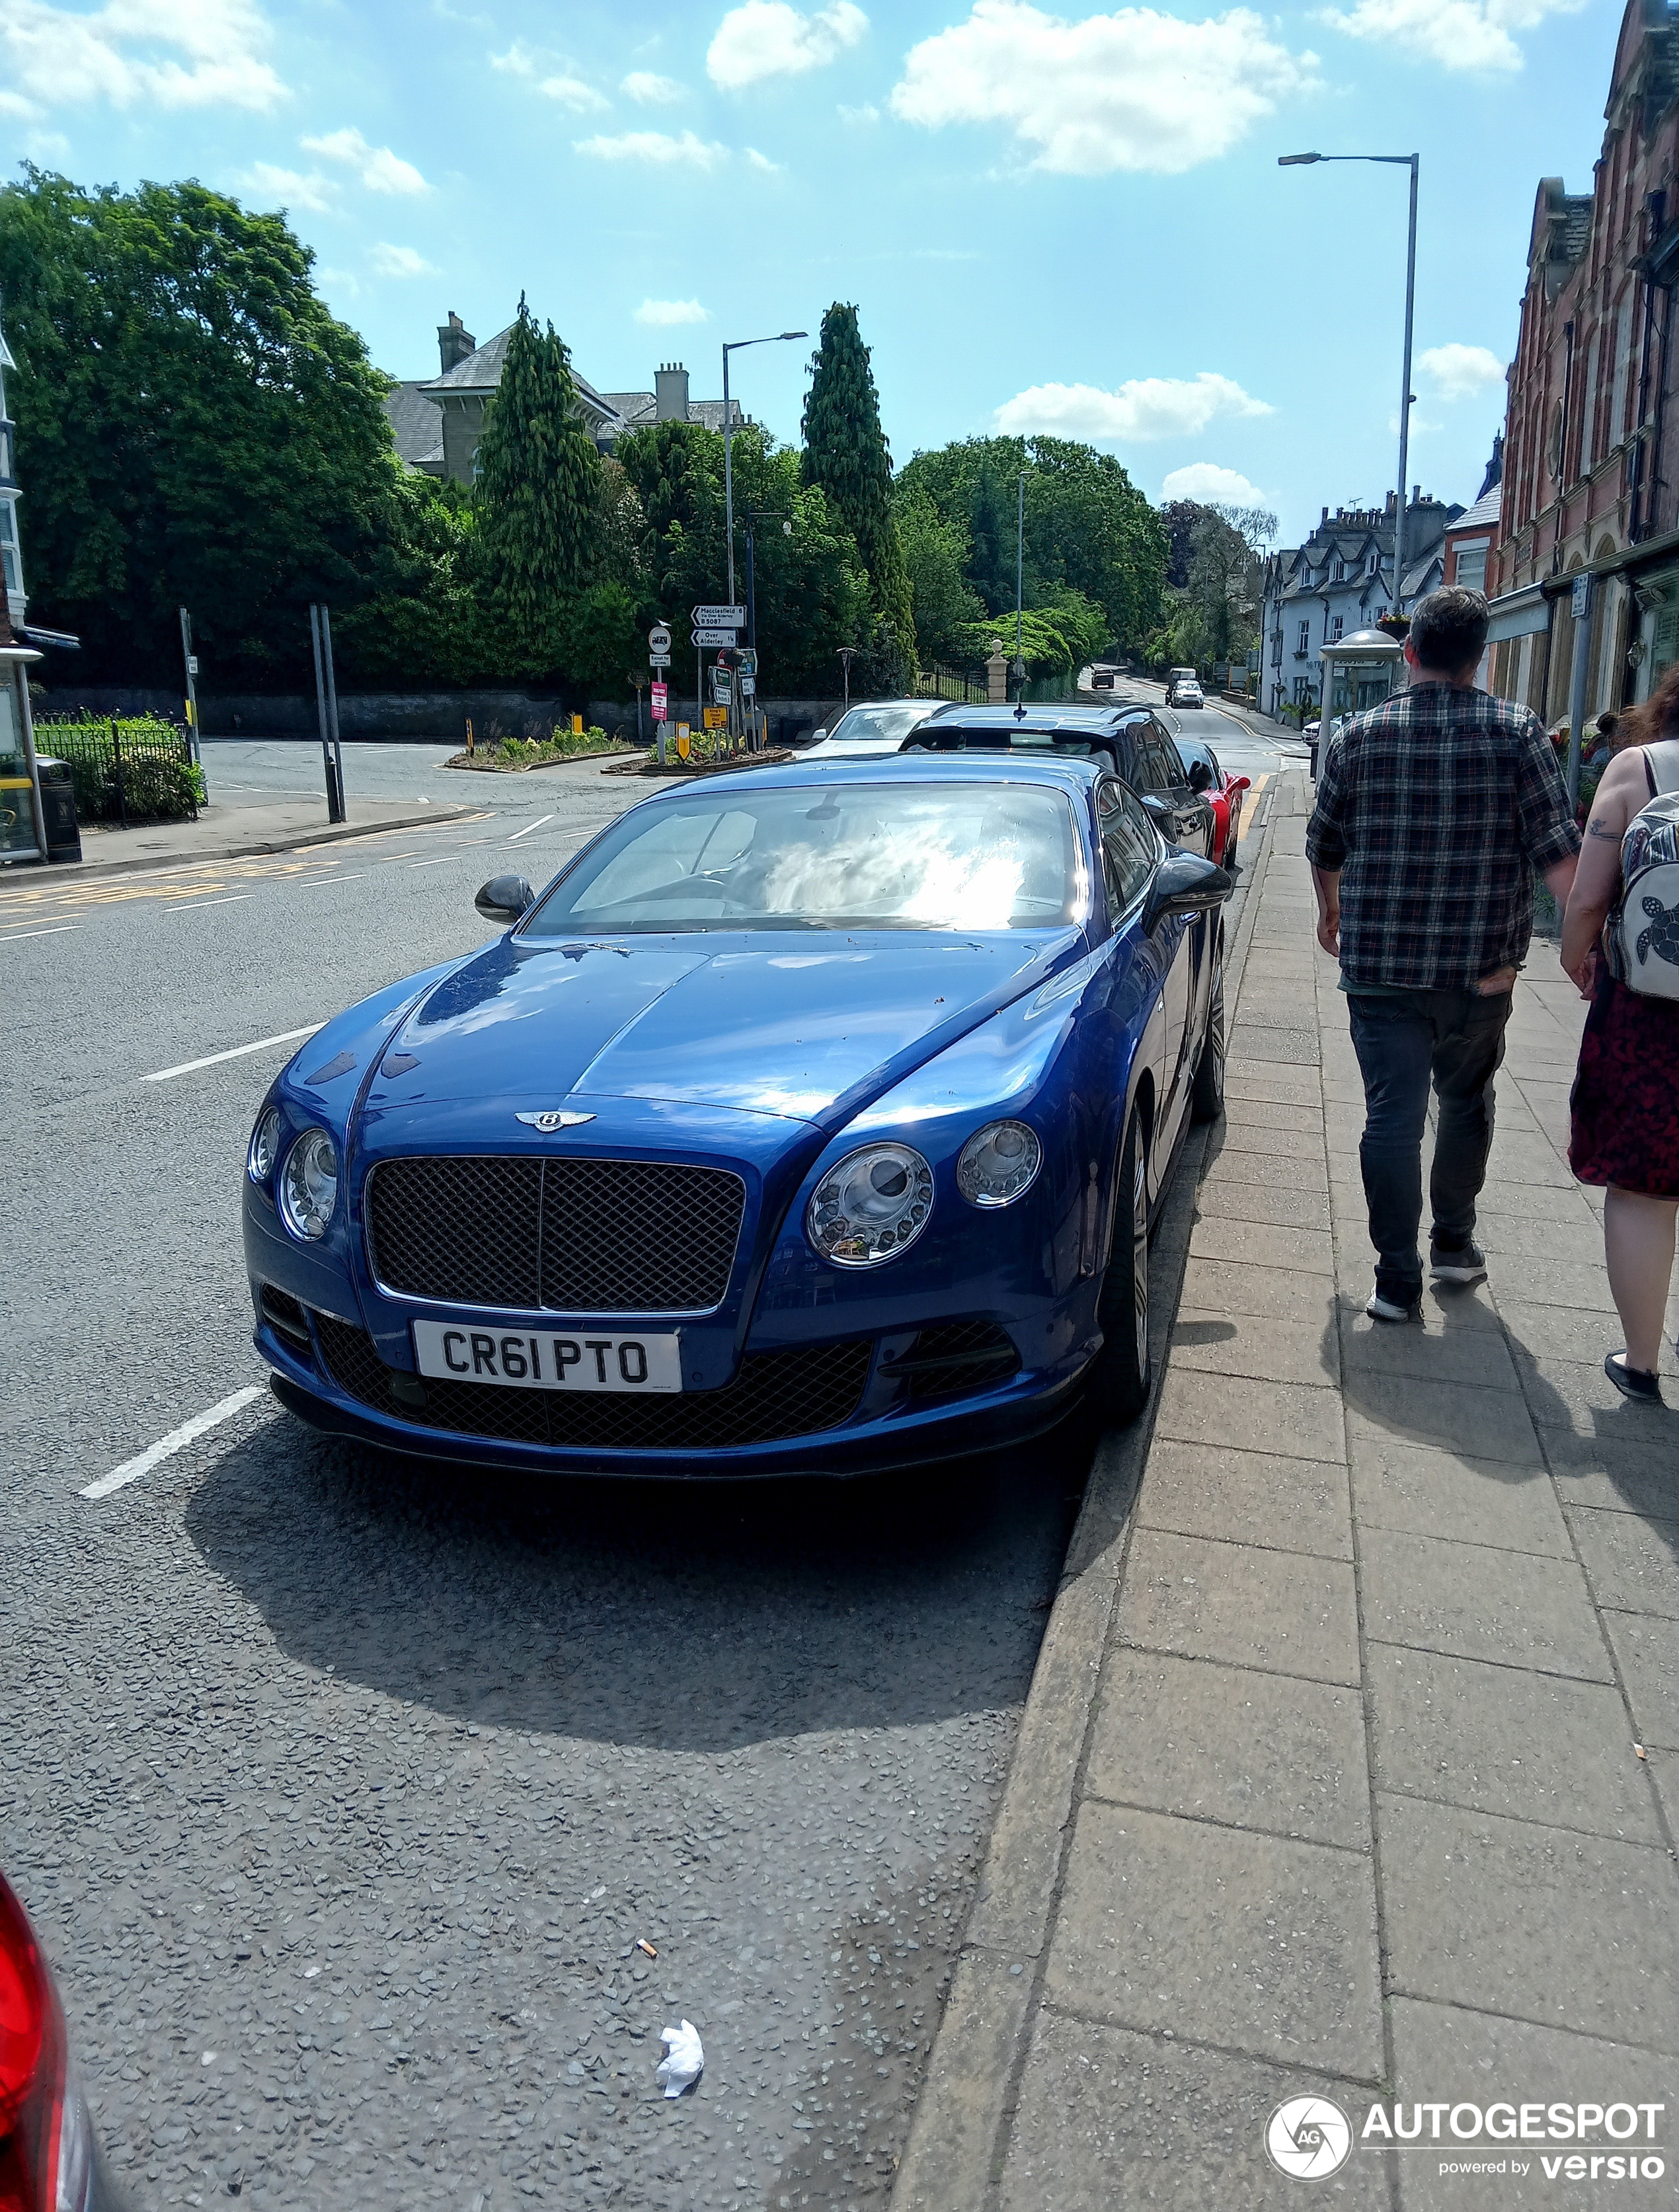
641, 1943
1641, 1750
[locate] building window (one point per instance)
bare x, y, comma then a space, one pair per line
1334, 627
10, 566
5, 452
1472, 568
1304, 643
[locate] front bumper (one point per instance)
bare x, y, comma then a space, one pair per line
887, 1426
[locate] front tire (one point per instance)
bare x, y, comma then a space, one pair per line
1123, 1372
1207, 1098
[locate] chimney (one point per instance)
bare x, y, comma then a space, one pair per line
1416, 495
454, 342
1326, 517
670, 386
1393, 501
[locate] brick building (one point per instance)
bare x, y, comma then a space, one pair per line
1590, 480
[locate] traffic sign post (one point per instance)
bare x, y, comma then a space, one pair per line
658, 638
713, 633
660, 698
718, 618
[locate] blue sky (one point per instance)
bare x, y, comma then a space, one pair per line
1069, 221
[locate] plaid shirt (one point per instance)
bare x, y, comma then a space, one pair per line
1439, 807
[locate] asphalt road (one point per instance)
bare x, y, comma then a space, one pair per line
342, 1790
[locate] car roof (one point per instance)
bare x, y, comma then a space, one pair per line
1047, 714
1058, 771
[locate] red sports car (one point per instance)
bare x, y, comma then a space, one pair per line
1224, 794
50, 2158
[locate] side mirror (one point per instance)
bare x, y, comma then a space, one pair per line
1161, 815
1241, 783
505, 898
1184, 884
1200, 775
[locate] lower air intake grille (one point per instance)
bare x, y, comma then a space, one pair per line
959, 1355
775, 1394
575, 1236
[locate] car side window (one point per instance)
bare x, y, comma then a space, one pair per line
1131, 847
1171, 765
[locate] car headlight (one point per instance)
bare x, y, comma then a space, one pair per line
871, 1206
265, 1144
309, 1185
999, 1163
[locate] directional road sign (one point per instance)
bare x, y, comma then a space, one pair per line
658, 638
713, 636
718, 618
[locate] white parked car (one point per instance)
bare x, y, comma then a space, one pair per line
1184, 689
874, 725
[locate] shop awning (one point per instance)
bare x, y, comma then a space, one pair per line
1521, 613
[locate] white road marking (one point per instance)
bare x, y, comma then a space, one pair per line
437, 863
237, 1052
537, 824
58, 931
192, 906
189, 1432
308, 883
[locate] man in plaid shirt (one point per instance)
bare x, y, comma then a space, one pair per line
1435, 810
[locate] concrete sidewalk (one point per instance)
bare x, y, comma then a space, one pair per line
1329, 1783
231, 832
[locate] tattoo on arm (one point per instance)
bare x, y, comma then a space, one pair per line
1595, 829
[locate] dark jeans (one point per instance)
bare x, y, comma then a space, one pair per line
1455, 1039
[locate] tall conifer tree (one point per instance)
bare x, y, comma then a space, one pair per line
847, 455
538, 479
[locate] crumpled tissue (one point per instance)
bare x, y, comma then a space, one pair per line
685, 2059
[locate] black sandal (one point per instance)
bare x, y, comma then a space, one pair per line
1632, 1381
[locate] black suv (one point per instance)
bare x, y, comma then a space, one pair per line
1132, 741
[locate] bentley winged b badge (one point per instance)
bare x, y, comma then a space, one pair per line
550, 1120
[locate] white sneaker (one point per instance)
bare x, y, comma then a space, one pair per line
1381, 1309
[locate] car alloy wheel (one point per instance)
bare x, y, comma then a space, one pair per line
1206, 1100
1122, 1371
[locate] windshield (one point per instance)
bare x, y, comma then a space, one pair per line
881, 721
861, 856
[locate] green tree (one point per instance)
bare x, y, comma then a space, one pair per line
536, 493
936, 557
846, 456
194, 429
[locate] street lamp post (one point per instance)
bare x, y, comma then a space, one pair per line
1019, 575
735, 345
1404, 162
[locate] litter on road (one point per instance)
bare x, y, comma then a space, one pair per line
685, 2059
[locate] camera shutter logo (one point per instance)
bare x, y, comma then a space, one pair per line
1308, 2138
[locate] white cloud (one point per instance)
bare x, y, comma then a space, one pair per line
757, 160
166, 53
1136, 90
1147, 407
562, 85
659, 314
868, 113
1459, 35
767, 38
1213, 486
290, 188
1459, 372
399, 261
650, 89
377, 166
656, 149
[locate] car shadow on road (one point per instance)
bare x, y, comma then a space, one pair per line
690, 1616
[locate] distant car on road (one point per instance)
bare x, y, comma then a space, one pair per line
50, 2158
1184, 688
812, 1120
1225, 794
874, 725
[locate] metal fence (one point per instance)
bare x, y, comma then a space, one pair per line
939, 682
126, 770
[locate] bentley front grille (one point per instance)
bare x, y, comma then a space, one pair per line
572, 1235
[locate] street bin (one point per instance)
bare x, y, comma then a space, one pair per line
64, 838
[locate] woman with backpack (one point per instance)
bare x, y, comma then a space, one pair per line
1621, 945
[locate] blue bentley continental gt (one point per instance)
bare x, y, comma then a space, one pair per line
811, 1121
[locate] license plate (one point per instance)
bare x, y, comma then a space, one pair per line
547, 1359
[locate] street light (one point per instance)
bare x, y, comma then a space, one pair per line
1020, 572
735, 345
1402, 161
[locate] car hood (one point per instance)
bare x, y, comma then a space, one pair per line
790, 1028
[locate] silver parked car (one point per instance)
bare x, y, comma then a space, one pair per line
875, 726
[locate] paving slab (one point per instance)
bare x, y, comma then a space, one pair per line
1505, 1740
1459, 1416
1424, 1491
1463, 1345
1231, 1199
1294, 1048
1108, 2117
1647, 1650
1478, 1910
1306, 1251
1296, 1420
1304, 1170
1257, 1943
1242, 1286
1440, 2051
1613, 1474
1248, 1497
1634, 1564
1258, 1081
1229, 1744
1255, 1347
1516, 1609
1285, 1611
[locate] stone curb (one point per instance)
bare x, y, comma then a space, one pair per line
948, 2164
333, 833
